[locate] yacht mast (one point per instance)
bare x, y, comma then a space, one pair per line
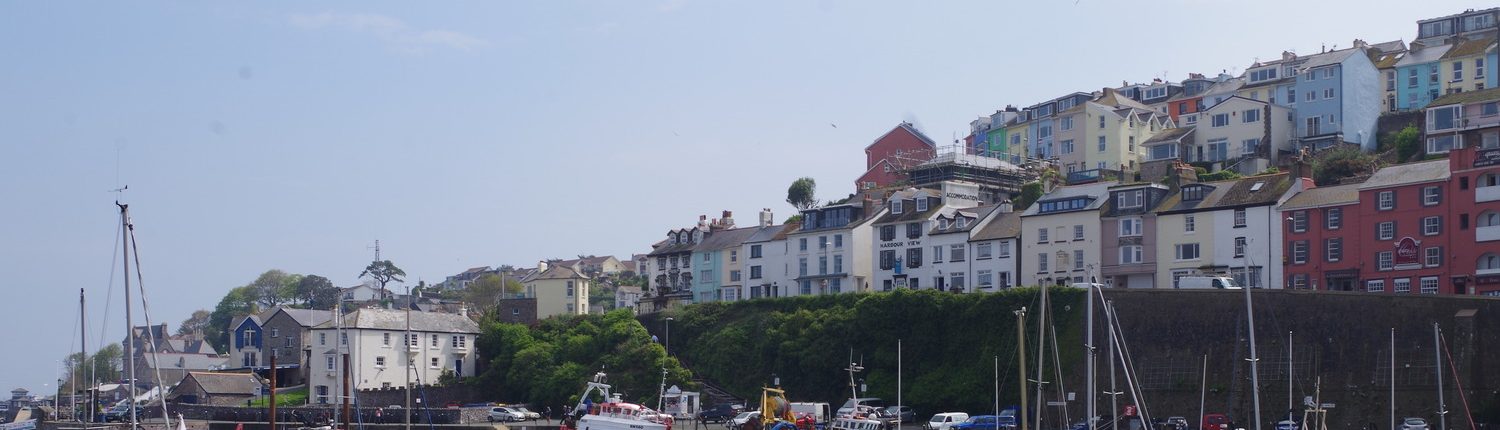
1254, 372
1088, 348
129, 322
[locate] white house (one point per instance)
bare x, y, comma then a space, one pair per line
1247, 228
362, 292
627, 297
767, 273
995, 245
829, 252
377, 348
1062, 235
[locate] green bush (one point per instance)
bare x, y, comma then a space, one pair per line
1346, 161
1408, 143
1218, 176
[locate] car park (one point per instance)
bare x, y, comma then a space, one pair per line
526, 414
904, 414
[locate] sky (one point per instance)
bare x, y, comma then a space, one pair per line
293, 136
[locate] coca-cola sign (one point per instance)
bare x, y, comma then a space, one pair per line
1488, 157
1407, 252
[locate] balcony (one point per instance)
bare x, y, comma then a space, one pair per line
1488, 233
1486, 194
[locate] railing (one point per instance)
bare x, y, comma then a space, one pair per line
1486, 194
1487, 233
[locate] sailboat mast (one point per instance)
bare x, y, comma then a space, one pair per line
1437, 352
1254, 366
83, 354
1041, 346
1114, 393
1203, 391
129, 322
1088, 348
1393, 378
1021, 349
1289, 358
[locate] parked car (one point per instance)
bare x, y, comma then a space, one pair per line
1201, 282
1008, 417
945, 420
1413, 423
718, 413
1288, 425
742, 418
526, 413
1216, 422
1177, 423
501, 414
978, 422
117, 413
849, 405
904, 414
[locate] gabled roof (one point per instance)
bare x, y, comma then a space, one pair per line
1324, 196
766, 234
240, 384
474, 270
1256, 190
555, 271
1410, 173
1397, 45
910, 213
1423, 55
1470, 47
1099, 191
909, 129
725, 239
1466, 97
392, 319
305, 317
1328, 58
1175, 204
975, 214
1170, 135
1005, 225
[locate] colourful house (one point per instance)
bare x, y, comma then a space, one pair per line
1466, 67
1417, 76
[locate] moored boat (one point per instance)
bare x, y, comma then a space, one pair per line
612, 412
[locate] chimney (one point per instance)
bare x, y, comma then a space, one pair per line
728, 219
1359, 43
1006, 207
703, 222
541, 266
766, 219
1288, 55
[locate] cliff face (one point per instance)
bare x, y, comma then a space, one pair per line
952, 346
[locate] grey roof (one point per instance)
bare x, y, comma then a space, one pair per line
1397, 45
184, 361
1330, 57
1175, 204
725, 239
1466, 97
1170, 135
766, 234
1244, 192
555, 271
1324, 196
910, 212
306, 317
245, 384
1005, 225
1423, 56
977, 213
1099, 191
390, 319
1411, 173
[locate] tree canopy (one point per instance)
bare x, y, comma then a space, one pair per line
803, 193
383, 272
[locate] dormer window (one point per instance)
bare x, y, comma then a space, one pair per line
1193, 193
1130, 199
942, 223
922, 204
961, 221
896, 206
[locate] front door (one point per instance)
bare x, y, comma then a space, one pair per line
458, 366
938, 283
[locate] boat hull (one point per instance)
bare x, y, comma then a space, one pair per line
599, 422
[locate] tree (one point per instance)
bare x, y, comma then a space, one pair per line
384, 272
802, 193
487, 291
106, 363
1343, 162
237, 303
1029, 193
316, 291
195, 324
1408, 143
272, 287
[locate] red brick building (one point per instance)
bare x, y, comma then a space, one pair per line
1475, 203
1323, 231
888, 157
1405, 211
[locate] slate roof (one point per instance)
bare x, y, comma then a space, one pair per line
1170, 135
766, 234
791, 227
555, 271
1324, 196
977, 214
1466, 97
910, 213
1099, 191
1175, 204
725, 239
1423, 56
1410, 173
1244, 192
1005, 225
184, 361
1386, 61
1397, 45
674, 248
242, 384
910, 129
1327, 58
307, 317
1470, 47
391, 319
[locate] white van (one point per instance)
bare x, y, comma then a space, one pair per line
945, 420
819, 411
1204, 282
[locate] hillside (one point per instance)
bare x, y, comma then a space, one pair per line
951, 343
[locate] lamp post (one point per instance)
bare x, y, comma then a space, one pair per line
775, 380
667, 342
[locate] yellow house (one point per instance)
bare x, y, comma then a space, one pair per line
558, 290
1463, 68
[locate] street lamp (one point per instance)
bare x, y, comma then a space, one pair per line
775, 380
668, 341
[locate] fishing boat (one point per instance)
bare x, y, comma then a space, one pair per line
612, 412
860, 417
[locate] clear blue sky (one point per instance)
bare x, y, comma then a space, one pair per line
292, 136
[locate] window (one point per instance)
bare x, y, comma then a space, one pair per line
937, 254
734, 276
1291, 95
806, 287
1078, 232
379, 361
838, 264
1479, 67
1386, 230
914, 229
983, 251
1375, 285
1130, 254
1130, 199
322, 339
1386, 200
570, 284
1239, 247
1189, 224
838, 241
1402, 285
822, 243
1101, 121
433, 341
434, 362
1299, 252
1489, 109
823, 265
1429, 285
1078, 259
385, 339
330, 362
1328, 93
1041, 235
755, 272
459, 342
895, 206
1263, 74
1187, 251
1333, 249
1390, 80
344, 338
1101, 141
1441, 144
1383, 260
956, 252
1249, 146
802, 266
1411, 78
1131, 145
956, 281
1041, 262
1130, 227
986, 278
1239, 217
887, 233
887, 260
1252, 115
1432, 74
1067, 146
1313, 126
914, 257
1067, 123
1163, 152
1458, 71
1312, 95
1433, 256
1431, 196
734, 255
921, 204
802, 243
1432, 225
1221, 120
1299, 221
1334, 218
755, 251
1444, 118
1004, 249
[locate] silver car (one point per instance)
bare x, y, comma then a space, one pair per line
1413, 423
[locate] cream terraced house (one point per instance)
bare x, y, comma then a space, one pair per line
558, 290
1061, 235
375, 342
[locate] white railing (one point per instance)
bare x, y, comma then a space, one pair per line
1486, 194
1486, 234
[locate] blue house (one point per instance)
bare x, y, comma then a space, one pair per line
1339, 97
245, 341
1417, 80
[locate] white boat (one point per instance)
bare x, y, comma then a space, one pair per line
612, 413
861, 418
